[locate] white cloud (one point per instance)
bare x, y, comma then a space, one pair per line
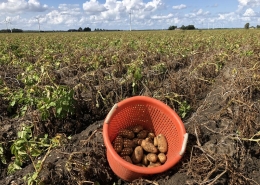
154, 5
11, 6
115, 5
246, 19
34, 5
114, 14
247, 3
69, 9
227, 16
169, 16
252, 3
249, 13
179, 7
114, 10
172, 21
65, 15
93, 7
198, 13
54, 17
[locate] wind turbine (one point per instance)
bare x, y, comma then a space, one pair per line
38, 19
130, 16
7, 22
130, 19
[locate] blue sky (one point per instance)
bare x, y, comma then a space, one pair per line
114, 14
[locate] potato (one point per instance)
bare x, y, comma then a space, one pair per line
162, 157
137, 155
151, 165
127, 143
162, 143
118, 144
127, 158
151, 135
150, 140
152, 157
143, 134
149, 147
137, 141
155, 141
145, 160
126, 151
137, 128
126, 133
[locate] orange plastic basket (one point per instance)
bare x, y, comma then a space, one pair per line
152, 114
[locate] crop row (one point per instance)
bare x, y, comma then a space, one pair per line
54, 74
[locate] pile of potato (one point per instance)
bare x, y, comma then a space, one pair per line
141, 147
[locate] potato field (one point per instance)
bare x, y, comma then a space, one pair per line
57, 88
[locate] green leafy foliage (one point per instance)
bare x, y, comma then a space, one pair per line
141, 59
189, 27
103, 68
52, 101
184, 109
134, 72
21, 147
172, 27
2, 155
60, 100
246, 26
26, 148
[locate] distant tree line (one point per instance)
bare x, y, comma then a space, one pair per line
14, 30
172, 27
247, 26
80, 29
98, 29
189, 27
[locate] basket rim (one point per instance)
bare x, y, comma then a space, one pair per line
127, 165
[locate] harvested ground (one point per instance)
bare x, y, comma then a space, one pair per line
221, 83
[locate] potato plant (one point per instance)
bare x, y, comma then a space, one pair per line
63, 82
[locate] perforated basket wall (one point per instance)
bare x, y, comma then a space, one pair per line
153, 115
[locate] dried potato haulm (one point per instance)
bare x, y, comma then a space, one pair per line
141, 147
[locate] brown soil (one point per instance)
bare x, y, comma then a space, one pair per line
224, 116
